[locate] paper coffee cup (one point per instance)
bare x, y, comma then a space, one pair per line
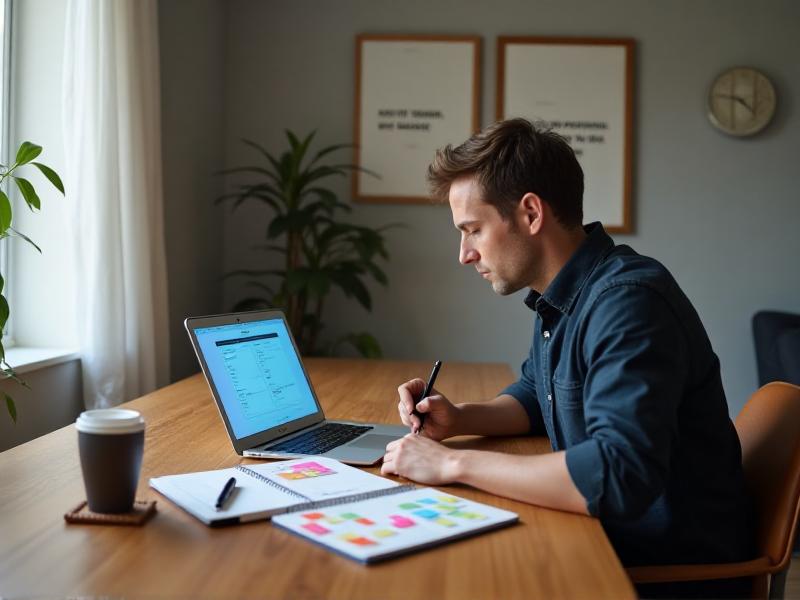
111, 445
113, 421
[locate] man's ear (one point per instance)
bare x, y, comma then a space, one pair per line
532, 212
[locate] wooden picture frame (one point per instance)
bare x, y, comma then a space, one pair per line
582, 88
414, 94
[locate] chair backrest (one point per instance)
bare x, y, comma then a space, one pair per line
769, 431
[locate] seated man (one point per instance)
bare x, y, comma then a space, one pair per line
621, 375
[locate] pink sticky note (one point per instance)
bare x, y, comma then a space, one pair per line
315, 528
400, 521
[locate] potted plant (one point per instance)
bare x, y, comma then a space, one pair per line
318, 251
25, 155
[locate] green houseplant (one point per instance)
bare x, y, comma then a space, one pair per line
25, 155
317, 251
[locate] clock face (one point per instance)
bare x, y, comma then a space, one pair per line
741, 101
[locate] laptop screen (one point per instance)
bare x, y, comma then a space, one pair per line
257, 374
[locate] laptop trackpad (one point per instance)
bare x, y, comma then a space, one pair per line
372, 441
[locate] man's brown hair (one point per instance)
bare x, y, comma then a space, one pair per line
510, 159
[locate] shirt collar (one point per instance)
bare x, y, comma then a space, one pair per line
564, 289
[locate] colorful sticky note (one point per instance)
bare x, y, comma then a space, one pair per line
400, 521
409, 506
333, 519
383, 533
315, 528
426, 513
362, 541
448, 499
427, 501
349, 516
348, 536
313, 516
475, 516
365, 521
448, 508
306, 470
445, 522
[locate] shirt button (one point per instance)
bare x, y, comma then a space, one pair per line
546, 334
549, 397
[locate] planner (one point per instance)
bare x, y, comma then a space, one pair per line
393, 522
268, 489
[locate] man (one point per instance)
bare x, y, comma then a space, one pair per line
621, 375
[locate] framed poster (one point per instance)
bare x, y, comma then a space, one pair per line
582, 88
414, 94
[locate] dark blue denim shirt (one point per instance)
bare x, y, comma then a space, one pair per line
621, 375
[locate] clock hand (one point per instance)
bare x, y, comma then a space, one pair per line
738, 99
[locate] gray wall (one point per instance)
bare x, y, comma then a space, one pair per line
721, 213
192, 54
53, 401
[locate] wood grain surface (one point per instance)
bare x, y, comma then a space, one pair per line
550, 554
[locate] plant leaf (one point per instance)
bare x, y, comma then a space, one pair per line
51, 175
27, 152
26, 238
28, 193
5, 212
328, 150
4, 311
12, 409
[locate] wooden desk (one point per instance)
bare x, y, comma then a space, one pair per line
549, 555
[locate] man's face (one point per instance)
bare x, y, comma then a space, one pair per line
501, 251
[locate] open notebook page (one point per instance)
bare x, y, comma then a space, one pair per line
380, 528
320, 478
197, 493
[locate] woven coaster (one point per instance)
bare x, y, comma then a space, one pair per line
142, 511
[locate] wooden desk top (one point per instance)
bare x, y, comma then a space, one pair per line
550, 554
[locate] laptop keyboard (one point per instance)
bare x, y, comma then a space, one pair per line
321, 439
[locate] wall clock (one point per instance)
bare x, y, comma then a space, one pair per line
741, 101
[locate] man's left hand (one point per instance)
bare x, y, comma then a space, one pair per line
421, 459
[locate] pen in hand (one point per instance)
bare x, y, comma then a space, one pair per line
426, 392
225, 493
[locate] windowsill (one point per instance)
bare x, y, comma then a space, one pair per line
25, 360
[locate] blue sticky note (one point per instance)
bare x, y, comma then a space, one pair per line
427, 501
426, 513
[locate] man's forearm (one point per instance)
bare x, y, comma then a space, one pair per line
503, 415
542, 479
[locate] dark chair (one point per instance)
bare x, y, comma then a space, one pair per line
769, 430
777, 340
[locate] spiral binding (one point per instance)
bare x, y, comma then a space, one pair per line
354, 498
275, 484
310, 504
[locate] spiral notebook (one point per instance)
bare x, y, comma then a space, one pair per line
393, 522
268, 489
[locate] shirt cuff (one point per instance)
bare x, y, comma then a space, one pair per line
522, 395
587, 469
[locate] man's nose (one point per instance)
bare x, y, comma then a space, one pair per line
467, 255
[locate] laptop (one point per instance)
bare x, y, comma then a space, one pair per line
265, 398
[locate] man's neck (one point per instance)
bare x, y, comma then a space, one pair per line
557, 250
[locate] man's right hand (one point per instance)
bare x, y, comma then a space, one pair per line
440, 414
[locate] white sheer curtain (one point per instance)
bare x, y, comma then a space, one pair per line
112, 133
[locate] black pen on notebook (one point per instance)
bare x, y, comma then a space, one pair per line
225, 493
428, 387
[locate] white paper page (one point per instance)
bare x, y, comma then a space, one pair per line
320, 478
394, 524
197, 493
